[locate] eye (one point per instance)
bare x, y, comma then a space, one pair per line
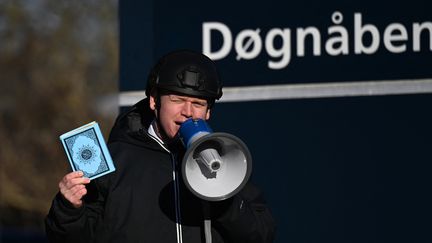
200, 104
176, 99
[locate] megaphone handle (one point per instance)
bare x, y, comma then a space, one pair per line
207, 230
207, 221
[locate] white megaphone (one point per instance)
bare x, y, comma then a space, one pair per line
215, 166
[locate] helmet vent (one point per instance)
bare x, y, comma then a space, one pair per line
190, 78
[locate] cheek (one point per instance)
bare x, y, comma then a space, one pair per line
167, 119
201, 114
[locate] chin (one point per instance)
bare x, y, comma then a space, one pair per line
172, 135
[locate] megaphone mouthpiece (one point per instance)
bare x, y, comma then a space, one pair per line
191, 130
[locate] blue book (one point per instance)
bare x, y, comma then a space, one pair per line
86, 150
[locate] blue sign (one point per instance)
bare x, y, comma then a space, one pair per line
283, 42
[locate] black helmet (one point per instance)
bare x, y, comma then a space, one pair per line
186, 72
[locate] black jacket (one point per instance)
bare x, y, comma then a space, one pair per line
145, 199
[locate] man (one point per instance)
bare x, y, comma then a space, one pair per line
145, 199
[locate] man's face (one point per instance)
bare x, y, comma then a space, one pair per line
176, 109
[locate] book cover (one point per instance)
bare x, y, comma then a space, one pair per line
86, 150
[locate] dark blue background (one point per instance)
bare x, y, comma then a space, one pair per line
333, 170
341, 169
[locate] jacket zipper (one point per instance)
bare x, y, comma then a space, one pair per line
177, 200
176, 192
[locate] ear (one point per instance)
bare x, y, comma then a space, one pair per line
152, 102
208, 114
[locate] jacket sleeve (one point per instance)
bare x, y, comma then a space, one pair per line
64, 223
246, 217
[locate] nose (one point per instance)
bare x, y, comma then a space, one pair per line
187, 110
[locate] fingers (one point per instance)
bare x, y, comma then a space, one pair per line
75, 177
72, 187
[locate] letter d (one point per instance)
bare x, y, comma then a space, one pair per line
226, 36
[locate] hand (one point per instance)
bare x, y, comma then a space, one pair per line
72, 187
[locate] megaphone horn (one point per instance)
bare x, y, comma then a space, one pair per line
215, 166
